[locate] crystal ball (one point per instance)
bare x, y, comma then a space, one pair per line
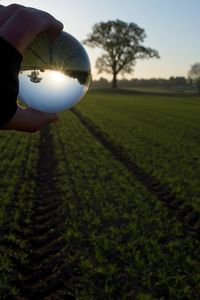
54, 75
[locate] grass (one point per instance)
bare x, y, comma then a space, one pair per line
125, 173
159, 133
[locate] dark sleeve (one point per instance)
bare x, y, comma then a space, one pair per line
10, 61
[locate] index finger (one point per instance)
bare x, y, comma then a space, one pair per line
7, 11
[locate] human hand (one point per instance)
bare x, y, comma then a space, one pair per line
29, 120
19, 25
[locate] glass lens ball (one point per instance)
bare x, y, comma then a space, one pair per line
54, 75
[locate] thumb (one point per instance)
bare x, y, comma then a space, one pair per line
51, 118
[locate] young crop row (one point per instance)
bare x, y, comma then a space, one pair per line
160, 134
121, 242
118, 241
18, 156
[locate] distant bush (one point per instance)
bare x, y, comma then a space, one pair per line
172, 82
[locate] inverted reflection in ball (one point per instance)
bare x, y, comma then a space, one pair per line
54, 76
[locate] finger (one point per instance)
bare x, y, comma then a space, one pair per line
54, 28
59, 26
51, 24
8, 11
51, 118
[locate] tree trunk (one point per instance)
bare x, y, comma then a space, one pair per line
114, 81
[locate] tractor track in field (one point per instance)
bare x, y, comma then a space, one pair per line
47, 273
184, 212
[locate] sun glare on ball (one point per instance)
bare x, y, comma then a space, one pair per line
57, 76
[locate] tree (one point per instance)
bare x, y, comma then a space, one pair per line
194, 75
34, 77
122, 45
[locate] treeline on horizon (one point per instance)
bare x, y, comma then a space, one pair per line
173, 82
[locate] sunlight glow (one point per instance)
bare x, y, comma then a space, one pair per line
57, 76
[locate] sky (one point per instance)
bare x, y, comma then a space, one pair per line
172, 27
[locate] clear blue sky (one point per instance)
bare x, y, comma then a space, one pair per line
172, 28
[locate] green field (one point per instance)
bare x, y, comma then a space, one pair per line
105, 203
